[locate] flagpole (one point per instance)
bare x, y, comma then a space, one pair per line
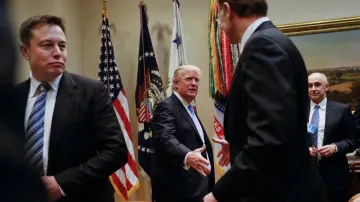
104, 4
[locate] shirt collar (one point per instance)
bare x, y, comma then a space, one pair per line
250, 30
322, 104
184, 102
34, 84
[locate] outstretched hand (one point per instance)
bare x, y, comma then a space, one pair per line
198, 162
224, 152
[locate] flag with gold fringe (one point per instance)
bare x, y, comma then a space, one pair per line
125, 180
223, 57
149, 91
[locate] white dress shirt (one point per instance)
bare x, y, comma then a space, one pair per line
197, 124
322, 119
250, 30
49, 110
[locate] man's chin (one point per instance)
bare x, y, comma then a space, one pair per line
192, 96
56, 71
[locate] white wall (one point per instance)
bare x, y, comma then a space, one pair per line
83, 19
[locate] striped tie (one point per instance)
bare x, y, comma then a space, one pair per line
35, 130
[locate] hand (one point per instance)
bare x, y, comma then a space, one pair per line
196, 161
313, 151
224, 152
52, 187
327, 150
210, 198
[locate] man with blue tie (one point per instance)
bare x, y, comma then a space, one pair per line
183, 168
333, 135
70, 129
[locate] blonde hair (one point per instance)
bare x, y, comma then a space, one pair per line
180, 71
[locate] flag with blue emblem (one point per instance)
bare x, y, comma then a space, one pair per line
149, 91
178, 53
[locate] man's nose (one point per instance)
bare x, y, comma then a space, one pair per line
57, 51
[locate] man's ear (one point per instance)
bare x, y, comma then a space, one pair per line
327, 87
24, 51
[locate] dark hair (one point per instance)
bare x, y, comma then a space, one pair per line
245, 8
28, 25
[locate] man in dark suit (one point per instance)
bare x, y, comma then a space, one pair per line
334, 136
266, 113
18, 182
72, 135
183, 168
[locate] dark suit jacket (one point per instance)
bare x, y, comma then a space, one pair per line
339, 129
265, 124
174, 135
357, 115
86, 142
18, 182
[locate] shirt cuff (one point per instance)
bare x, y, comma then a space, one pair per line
336, 149
186, 167
62, 192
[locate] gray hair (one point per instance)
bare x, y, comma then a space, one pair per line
319, 75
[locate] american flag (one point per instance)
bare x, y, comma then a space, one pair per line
149, 91
125, 180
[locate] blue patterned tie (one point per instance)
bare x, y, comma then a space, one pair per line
192, 112
34, 134
315, 121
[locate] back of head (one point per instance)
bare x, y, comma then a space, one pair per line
246, 8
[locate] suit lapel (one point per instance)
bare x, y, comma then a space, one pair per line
23, 93
330, 113
206, 138
184, 112
63, 107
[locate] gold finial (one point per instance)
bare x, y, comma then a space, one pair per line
104, 4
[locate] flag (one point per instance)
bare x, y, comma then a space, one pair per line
125, 180
219, 133
223, 58
149, 91
178, 53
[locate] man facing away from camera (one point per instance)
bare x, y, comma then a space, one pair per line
18, 182
266, 114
